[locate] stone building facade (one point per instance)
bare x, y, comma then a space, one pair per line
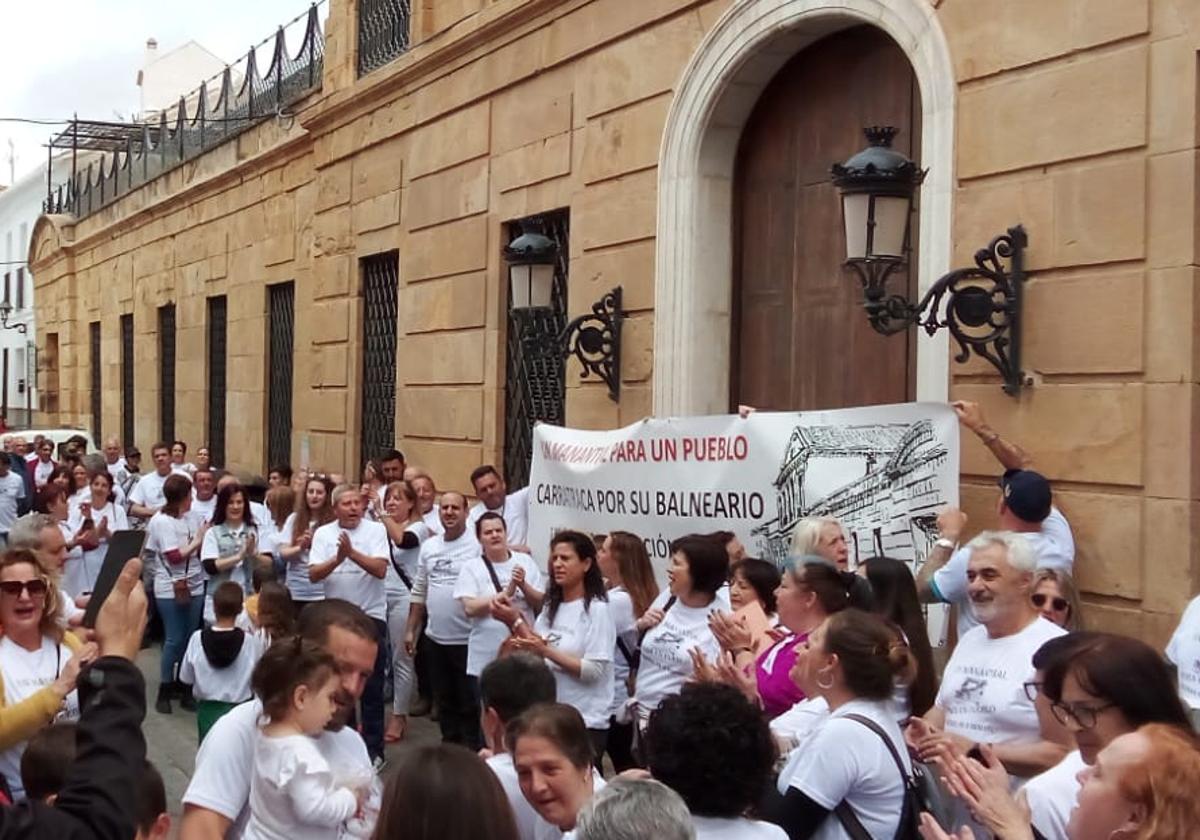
1077, 118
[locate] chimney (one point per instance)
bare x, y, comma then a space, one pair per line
151, 53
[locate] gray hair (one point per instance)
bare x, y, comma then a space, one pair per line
633, 809
807, 534
26, 532
342, 490
1016, 547
94, 463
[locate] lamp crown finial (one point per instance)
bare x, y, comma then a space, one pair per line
881, 135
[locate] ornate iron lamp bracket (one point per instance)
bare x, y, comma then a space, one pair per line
982, 304
4, 312
595, 340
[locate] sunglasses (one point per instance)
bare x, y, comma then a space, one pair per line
13, 588
1057, 603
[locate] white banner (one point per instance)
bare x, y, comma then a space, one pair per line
882, 471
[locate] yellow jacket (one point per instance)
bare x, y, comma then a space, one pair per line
18, 723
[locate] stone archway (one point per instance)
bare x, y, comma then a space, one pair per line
719, 88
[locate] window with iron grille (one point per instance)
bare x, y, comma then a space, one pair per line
166, 372
281, 325
94, 330
535, 372
217, 353
380, 284
383, 32
127, 416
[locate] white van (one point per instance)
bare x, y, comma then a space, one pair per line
59, 436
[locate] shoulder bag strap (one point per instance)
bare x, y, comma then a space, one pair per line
395, 565
625, 652
850, 822
492, 572
905, 778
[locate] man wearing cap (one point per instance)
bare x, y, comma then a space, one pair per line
1025, 506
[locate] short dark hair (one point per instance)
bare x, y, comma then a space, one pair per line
224, 496
162, 444
713, 747
558, 723
707, 560
228, 600
287, 665
480, 472
391, 455
512, 684
150, 798
175, 489
762, 576
488, 516
180, 443
319, 616
47, 759
284, 470
872, 653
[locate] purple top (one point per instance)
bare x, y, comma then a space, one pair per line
775, 686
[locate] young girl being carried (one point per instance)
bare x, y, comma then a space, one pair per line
293, 793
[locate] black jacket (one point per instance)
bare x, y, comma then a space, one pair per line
97, 801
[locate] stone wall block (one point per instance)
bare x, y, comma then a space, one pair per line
371, 214
447, 413
630, 266
331, 366
1171, 412
1172, 312
448, 358
330, 323
377, 170
454, 248
588, 405
1087, 324
1100, 213
1173, 94
448, 303
637, 348
451, 462
333, 185
461, 136
536, 162
616, 211
1170, 552
332, 276
1108, 541
447, 195
625, 140
532, 110
332, 233
1171, 220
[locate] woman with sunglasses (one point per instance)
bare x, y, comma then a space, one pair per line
38, 661
1057, 598
1103, 687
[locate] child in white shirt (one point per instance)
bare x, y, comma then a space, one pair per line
220, 659
293, 792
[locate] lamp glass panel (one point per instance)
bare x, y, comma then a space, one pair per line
541, 286
891, 226
854, 214
519, 278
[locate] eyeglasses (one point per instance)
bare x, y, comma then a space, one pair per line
1083, 716
13, 588
1032, 689
1059, 604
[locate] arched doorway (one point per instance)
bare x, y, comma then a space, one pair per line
800, 339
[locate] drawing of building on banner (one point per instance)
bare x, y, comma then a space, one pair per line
881, 481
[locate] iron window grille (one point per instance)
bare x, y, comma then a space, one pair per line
535, 370
166, 372
383, 32
281, 323
127, 416
381, 277
218, 349
94, 331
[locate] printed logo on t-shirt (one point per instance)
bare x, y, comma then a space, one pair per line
971, 689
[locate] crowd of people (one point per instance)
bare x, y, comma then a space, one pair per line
307, 616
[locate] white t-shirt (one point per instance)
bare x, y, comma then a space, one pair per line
148, 492
26, 673
270, 538
982, 690
230, 684
202, 510
1051, 796
117, 470
163, 534
296, 579
798, 722
844, 760
543, 830
487, 634
348, 580
515, 513
210, 549
735, 828
620, 609
294, 794
80, 577
74, 560
527, 818
1184, 651
1053, 546
407, 559
12, 490
585, 633
225, 763
438, 569
41, 471
666, 661
433, 519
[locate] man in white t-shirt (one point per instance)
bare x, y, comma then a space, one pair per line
12, 491
1025, 506
351, 555
114, 460
42, 463
494, 497
982, 697
507, 687
215, 804
448, 630
204, 496
146, 498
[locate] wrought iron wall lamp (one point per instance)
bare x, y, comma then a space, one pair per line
982, 302
6, 309
594, 339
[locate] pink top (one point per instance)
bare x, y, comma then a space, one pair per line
775, 686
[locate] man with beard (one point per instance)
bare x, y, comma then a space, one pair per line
215, 804
494, 498
983, 699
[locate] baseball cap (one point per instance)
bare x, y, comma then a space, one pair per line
133, 452
1026, 494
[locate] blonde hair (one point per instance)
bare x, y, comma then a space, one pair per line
1163, 782
1066, 585
49, 625
807, 534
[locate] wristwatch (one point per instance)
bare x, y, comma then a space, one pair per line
944, 542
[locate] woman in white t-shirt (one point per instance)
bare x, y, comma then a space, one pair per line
280, 501
406, 532
574, 631
98, 507
625, 564
230, 545
313, 509
857, 755
497, 571
699, 568
173, 551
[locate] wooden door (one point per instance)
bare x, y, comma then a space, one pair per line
801, 339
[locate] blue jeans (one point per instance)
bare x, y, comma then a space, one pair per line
179, 622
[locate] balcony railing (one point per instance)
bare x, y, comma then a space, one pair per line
131, 154
383, 32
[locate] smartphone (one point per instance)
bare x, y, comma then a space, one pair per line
123, 546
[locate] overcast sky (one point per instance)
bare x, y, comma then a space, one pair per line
59, 57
